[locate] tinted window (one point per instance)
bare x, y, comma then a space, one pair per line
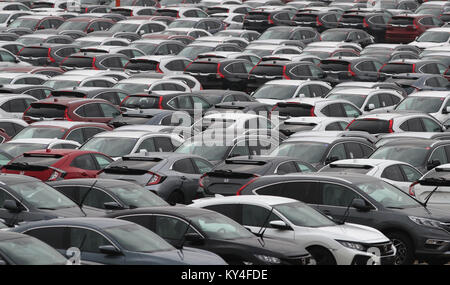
184, 166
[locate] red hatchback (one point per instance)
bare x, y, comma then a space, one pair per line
405, 28
71, 109
56, 164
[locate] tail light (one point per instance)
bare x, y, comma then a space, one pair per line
246, 184
160, 103
50, 56
349, 124
86, 10
93, 64
311, 113
219, 74
158, 70
411, 188
365, 25
350, 72
391, 122
200, 182
155, 179
66, 115
318, 23
415, 26
413, 68
55, 175
284, 73
20, 51
270, 20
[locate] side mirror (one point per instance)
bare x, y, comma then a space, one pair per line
360, 205
109, 250
112, 206
40, 27
432, 164
331, 159
370, 107
279, 225
12, 206
446, 110
194, 238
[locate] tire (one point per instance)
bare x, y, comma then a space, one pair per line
404, 246
176, 197
321, 255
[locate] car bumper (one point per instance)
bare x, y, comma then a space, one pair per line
348, 256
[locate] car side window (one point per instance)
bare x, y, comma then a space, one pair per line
163, 144
102, 160
256, 216
89, 110
184, 166
286, 167
351, 111
147, 145
439, 154
76, 135
337, 195
4, 196
90, 132
431, 126
56, 237
354, 150
393, 173
239, 150
412, 125
338, 151
87, 240
306, 192
97, 198
202, 165
109, 111
84, 161
410, 173
171, 228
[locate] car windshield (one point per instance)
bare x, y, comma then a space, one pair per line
387, 195
132, 87
16, 149
182, 24
334, 36
136, 196
41, 132
5, 80
311, 152
4, 17
303, 215
434, 37
421, 103
208, 151
60, 84
30, 251
41, 196
147, 48
212, 123
26, 41
24, 23
275, 91
217, 226
413, 155
136, 238
88, 43
275, 34
114, 146
194, 51
123, 27
73, 26
356, 99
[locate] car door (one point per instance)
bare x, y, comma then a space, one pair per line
82, 166
9, 217
171, 228
189, 176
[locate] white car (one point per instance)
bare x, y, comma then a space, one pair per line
87, 80
441, 195
19, 146
397, 173
435, 37
275, 91
160, 86
13, 105
328, 241
232, 123
435, 103
300, 124
164, 64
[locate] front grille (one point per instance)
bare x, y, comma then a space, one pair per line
385, 248
446, 226
297, 260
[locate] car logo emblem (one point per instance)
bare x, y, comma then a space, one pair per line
226, 180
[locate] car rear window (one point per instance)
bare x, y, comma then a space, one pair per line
37, 159
39, 110
353, 19
68, 94
293, 109
268, 69
217, 10
397, 68
123, 12
402, 21
370, 126
34, 52
143, 102
78, 61
140, 64
334, 65
168, 12
203, 67
305, 17
132, 166
257, 16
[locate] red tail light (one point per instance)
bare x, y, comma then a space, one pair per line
270, 20
415, 26
86, 10
350, 72
188, 66
318, 23
311, 113
50, 56
200, 182
219, 74
246, 184
20, 51
414, 68
155, 179
349, 124
391, 122
66, 115
411, 188
284, 73
160, 103
93, 64
365, 25
157, 69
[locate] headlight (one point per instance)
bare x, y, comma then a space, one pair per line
352, 245
425, 222
268, 259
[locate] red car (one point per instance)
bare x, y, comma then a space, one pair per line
71, 109
56, 164
405, 28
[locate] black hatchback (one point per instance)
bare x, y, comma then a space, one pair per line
262, 19
339, 69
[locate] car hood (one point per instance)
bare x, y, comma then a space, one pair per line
353, 232
186, 256
424, 45
65, 212
430, 212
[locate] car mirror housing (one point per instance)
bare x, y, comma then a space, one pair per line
109, 250
12, 206
279, 225
112, 206
194, 238
360, 205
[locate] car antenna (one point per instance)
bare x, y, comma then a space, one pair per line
264, 227
85, 195
347, 212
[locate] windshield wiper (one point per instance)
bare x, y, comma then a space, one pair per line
46, 208
393, 207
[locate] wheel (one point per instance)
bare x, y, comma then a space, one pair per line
404, 246
322, 255
176, 198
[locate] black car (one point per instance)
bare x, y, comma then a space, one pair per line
37, 91
115, 96
304, 35
24, 198
95, 61
217, 96
47, 54
208, 230
417, 231
151, 117
107, 194
217, 73
278, 69
20, 249
374, 23
413, 82
258, 108
320, 151
261, 20
340, 69
424, 154
320, 18
174, 177
114, 242
412, 66
228, 177
360, 37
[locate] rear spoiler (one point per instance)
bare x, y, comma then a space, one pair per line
31, 167
229, 174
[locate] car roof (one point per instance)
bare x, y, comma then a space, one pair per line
97, 223
10, 179
367, 161
259, 199
124, 134
437, 94
40, 141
